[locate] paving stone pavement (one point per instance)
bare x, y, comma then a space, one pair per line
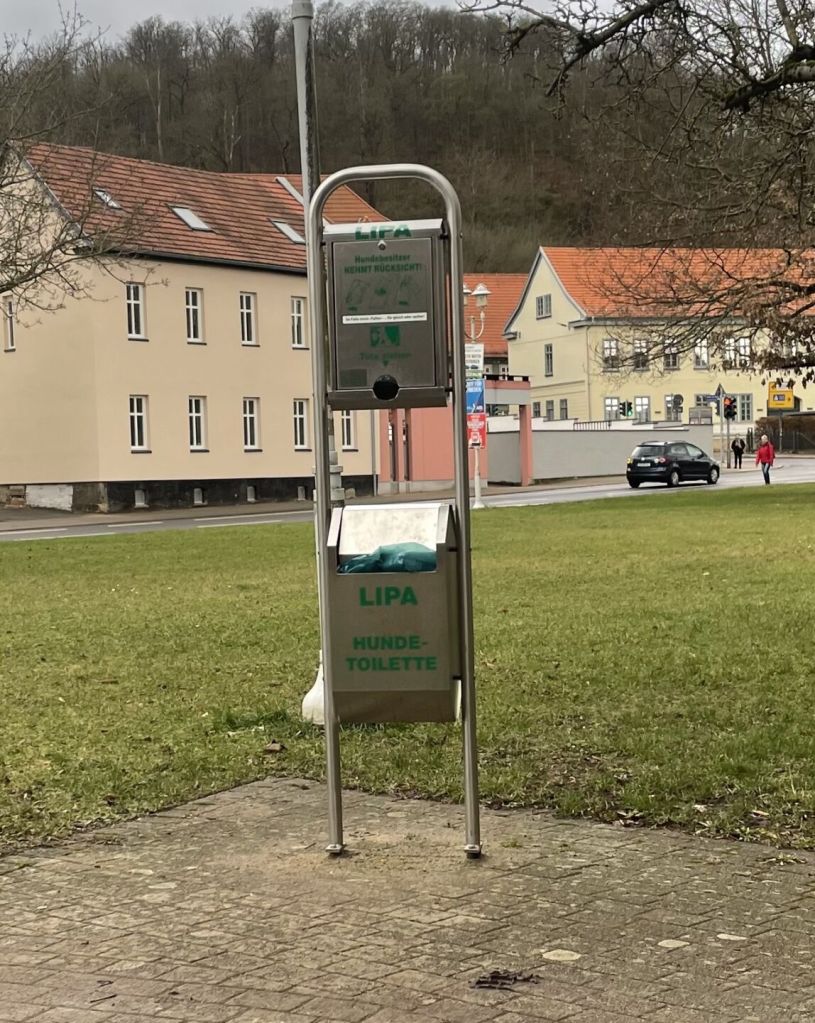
227, 910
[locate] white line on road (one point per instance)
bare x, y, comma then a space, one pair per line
222, 525
53, 529
130, 525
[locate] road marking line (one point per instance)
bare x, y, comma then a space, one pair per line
52, 529
223, 525
130, 525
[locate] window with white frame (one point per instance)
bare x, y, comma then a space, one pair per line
194, 307
611, 353
611, 408
564, 408
298, 323
548, 361
536, 410
139, 439
10, 341
251, 424
701, 355
550, 410
745, 352
300, 414
700, 401
348, 430
670, 355
543, 307
640, 354
729, 351
197, 421
672, 412
745, 408
135, 310
248, 325
642, 408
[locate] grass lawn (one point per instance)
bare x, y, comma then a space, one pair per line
650, 659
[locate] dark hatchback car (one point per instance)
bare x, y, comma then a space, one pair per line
670, 462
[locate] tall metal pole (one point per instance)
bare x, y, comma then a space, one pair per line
727, 442
302, 15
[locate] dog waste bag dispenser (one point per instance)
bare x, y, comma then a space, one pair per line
394, 635
387, 321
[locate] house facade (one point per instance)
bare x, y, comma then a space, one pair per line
592, 355
181, 374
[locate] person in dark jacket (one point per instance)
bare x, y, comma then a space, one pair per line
737, 447
765, 456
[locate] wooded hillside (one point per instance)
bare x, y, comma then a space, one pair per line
396, 80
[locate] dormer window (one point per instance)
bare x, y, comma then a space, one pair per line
191, 219
106, 198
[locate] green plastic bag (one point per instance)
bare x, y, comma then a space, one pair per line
395, 557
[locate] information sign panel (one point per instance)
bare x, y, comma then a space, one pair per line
387, 325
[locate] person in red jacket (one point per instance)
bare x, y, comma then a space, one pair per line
765, 456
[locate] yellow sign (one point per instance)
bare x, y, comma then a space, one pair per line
780, 398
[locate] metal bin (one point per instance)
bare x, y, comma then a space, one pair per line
394, 636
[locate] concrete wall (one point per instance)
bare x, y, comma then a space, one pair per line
565, 454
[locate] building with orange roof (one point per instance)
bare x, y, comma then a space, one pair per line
182, 372
647, 334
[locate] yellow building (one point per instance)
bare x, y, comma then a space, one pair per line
591, 354
182, 373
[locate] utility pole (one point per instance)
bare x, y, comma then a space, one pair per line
302, 15
302, 18
481, 295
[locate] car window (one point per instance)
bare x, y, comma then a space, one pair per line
695, 452
679, 451
648, 451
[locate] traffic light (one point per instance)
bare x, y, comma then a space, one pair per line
729, 406
625, 409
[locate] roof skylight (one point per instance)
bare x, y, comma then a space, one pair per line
190, 219
106, 198
289, 232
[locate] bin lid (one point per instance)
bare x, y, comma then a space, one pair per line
366, 527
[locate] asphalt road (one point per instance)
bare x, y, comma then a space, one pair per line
797, 470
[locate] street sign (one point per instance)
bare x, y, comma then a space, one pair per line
474, 360
477, 430
476, 413
780, 397
719, 391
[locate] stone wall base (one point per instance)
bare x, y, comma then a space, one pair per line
132, 495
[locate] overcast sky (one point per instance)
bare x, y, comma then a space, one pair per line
114, 17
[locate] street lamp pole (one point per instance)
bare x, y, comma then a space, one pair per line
480, 294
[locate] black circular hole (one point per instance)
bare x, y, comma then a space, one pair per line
386, 387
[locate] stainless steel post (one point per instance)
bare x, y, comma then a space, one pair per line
320, 361
302, 14
727, 442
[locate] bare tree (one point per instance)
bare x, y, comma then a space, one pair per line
711, 105
43, 244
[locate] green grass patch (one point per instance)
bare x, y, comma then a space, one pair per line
648, 659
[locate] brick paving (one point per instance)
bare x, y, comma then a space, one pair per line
227, 909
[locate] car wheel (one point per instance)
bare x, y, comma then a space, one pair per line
673, 478
713, 476
634, 483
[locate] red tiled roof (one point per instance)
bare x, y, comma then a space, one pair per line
663, 281
505, 292
239, 208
